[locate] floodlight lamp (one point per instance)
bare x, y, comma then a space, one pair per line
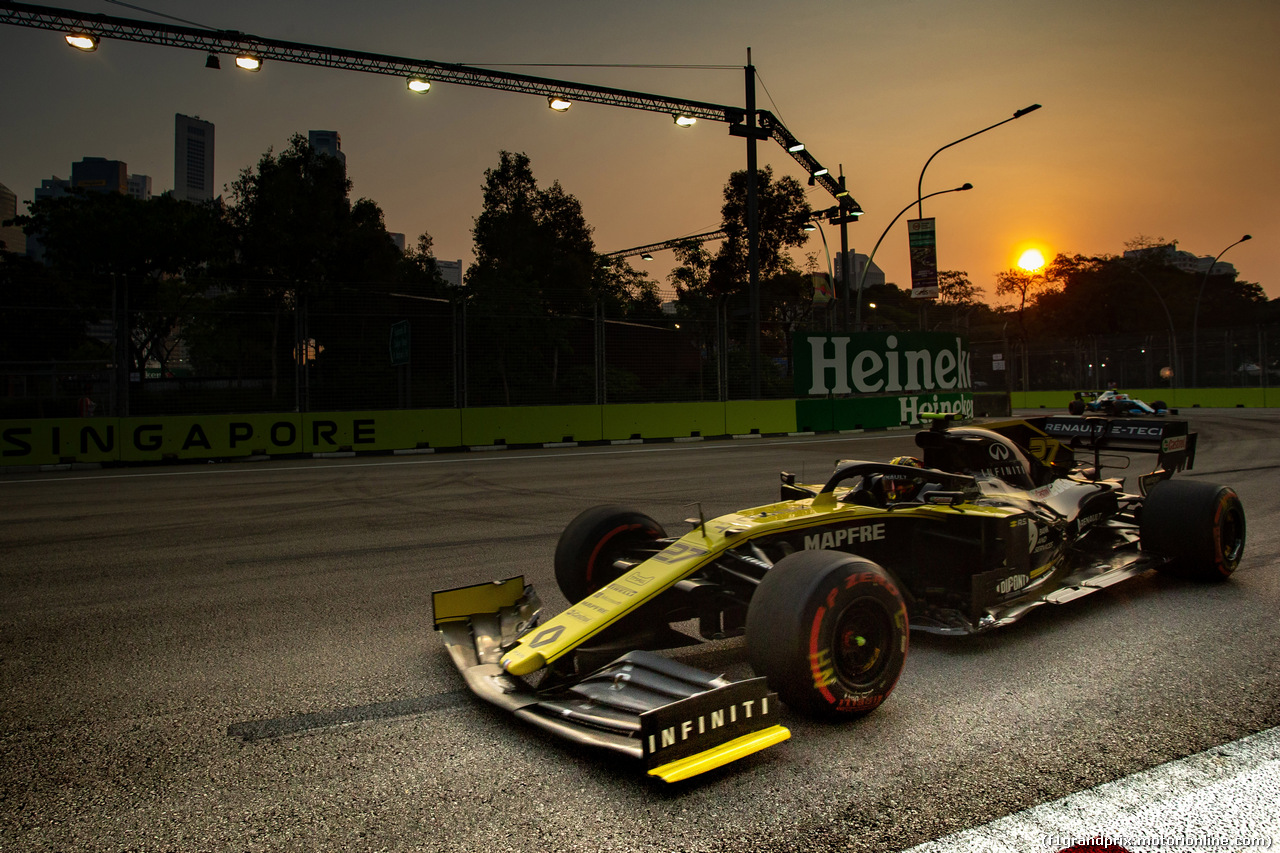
559, 104
685, 121
810, 226
83, 41
213, 62
419, 85
646, 257
819, 172
796, 147
249, 62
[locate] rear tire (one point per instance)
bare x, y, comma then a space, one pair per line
593, 541
829, 632
1076, 407
1200, 527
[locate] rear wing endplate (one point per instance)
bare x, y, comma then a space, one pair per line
1172, 440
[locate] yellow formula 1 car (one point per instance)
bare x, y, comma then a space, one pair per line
988, 524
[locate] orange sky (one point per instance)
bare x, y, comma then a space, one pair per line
1159, 119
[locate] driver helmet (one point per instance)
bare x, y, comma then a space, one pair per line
899, 487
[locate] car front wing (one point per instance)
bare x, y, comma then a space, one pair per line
678, 721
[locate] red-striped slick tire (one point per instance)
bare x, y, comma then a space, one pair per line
829, 631
594, 541
1199, 527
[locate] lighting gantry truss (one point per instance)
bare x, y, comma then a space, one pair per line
235, 43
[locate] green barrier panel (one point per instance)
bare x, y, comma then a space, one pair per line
334, 432
843, 413
743, 417
882, 412
59, 440
208, 436
815, 415
663, 420
530, 425
1174, 398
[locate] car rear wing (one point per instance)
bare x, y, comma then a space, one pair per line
1172, 441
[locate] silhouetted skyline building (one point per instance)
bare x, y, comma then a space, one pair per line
327, 142
875, 275
192, 158
1171, 255
11, 237
98, 174
139, 186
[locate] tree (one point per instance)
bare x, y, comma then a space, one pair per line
535, 265
782, 211
691, 276
625, 291
304, 249
297, 228
955, 289
422, 271
1024, 286
117, 256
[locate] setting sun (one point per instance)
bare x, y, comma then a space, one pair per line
1031, 260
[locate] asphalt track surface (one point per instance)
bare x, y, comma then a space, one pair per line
240, 657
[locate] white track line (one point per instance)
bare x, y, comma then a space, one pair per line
1224, 799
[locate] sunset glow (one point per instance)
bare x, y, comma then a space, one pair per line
1031, 260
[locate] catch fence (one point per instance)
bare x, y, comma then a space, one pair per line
398, 351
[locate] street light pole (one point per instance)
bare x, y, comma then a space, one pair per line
1195, 316
920, 183
753, 229
857, 305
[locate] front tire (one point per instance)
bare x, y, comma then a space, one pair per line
1199, 527
594, 541
829, 632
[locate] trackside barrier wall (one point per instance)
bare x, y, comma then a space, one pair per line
1175, 398
192, 437
53, 441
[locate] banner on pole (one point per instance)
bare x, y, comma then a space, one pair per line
922, 239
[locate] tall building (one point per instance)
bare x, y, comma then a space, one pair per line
451, 271
11, 237
192, 158
100, 175
139, 186
327, 142
874, 275
54, 187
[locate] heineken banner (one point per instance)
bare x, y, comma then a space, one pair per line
926, 371
923, 241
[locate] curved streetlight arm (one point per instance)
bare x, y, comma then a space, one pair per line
1195, 315
826, 250
862, 277
920, 183
831, 276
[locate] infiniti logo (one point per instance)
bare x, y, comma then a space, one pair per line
998, 452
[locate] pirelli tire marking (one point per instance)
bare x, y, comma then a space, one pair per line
836, 648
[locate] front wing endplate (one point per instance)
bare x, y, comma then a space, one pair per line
677, 720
